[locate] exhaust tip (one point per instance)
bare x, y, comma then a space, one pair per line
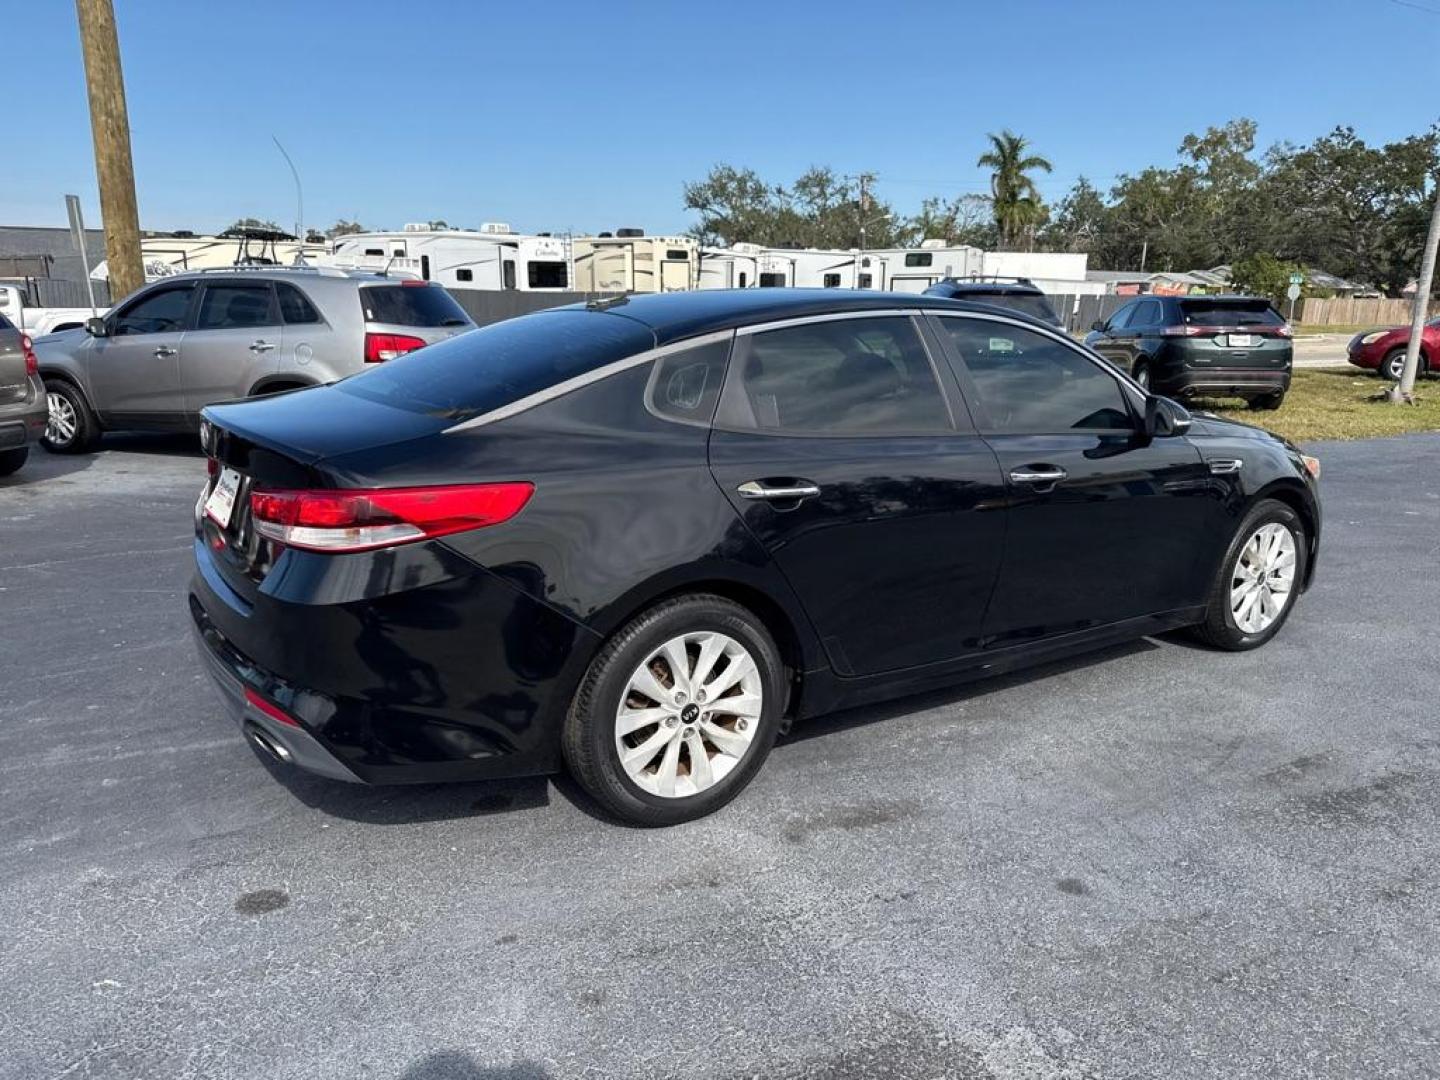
265, 742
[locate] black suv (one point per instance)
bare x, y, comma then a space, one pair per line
1199, 346
1018, 294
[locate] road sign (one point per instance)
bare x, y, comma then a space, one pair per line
1296, 279
1293, 292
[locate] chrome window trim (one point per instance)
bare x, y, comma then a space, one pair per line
833, 316
578, 382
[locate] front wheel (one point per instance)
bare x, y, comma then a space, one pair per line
1392, 368
71, 427
677, 712
1141, 374
1258, 580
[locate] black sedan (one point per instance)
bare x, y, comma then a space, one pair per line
641, 538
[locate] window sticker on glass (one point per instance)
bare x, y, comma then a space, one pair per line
1001, 344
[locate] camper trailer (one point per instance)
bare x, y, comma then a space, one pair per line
492, 258
733, 267
913, 270
806, 268
629, 261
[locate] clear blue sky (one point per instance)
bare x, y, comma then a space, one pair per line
555, 115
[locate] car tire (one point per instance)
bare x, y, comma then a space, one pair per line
1393, 366
72, 428
663, 780
1141, 374
1269, 402
11, 460
1231, 625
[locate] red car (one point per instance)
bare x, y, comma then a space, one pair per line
1384, 350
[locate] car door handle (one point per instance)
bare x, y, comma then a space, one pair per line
1038, 474
164, 350
261, 346
758, 489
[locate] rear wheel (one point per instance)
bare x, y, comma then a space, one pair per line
1258, 580
677, 712
10, 460
71, 427
1269, 401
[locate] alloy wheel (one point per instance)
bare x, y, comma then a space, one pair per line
1263, 579
689, 714
61, 423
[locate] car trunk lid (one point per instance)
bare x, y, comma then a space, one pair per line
1241, 332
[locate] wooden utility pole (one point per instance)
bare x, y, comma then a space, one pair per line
110, 126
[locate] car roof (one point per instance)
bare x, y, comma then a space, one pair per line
992, 288
679, 315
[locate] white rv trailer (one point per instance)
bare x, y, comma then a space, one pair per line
733, 267
632, 262
162, 256
913, 270
492, 258
806, 268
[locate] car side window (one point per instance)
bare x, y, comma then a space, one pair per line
1121, 319
685, 385
1033, 384
160, 312
295, 306
868, 376
1146, 314
235, 307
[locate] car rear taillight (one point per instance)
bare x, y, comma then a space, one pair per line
1284, 331
32, 363
360, 520
382, 347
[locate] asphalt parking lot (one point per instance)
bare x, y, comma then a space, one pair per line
1159, 861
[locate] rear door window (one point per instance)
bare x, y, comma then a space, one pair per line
411, 305
295, 306
686, 385
835, 377
1029, 383
1145, 314
235, 307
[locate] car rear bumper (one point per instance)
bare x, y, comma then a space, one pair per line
462, 678
1237, 382
23, 422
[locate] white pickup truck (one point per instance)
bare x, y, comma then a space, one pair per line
37, 321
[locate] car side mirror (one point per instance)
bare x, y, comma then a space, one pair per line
95, 326
1098, 324
1165, 418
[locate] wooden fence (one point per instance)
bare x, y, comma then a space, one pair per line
1353, 311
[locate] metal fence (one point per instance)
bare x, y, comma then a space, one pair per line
59, 292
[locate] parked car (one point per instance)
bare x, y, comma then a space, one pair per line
1201, 346
1383, 351
186, 341
639, 538
1017, 295
22, 398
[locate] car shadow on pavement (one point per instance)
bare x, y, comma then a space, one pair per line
42, 465
178, 444
458, 1065
820, 726
408, 804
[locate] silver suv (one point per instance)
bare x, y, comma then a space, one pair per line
191, 340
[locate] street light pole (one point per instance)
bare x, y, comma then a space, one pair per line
1404, 390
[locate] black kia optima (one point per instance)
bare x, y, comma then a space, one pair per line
640, 538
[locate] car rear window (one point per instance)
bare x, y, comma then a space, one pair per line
1230, 313
1035, 306
489, 368
5, 323
411, 305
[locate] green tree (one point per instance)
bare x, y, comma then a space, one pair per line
1080, 221
966, 220
1262, 274
253, 223
344, 228
1016, 201
820, 209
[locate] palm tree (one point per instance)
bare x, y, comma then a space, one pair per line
1016, 201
